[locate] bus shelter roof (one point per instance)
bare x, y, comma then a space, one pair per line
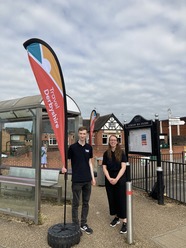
24, 108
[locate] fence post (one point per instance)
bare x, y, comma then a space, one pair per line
129, 206
159, 168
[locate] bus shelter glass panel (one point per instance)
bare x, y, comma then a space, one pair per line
17, 141
17, 200
17, 194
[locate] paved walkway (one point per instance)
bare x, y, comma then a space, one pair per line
175, 238
153, 225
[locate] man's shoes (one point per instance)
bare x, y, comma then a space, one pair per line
123, 228
87, 229
115, 222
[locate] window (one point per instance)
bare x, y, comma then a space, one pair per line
52, 141
15, 137
105, 139
119, 138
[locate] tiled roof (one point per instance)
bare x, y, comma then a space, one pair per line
17, 130
101, 121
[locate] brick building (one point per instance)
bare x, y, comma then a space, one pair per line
104, 127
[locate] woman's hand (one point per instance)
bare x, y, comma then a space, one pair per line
113, 181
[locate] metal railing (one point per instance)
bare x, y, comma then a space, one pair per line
144, 175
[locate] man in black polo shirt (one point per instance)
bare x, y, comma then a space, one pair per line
80, 154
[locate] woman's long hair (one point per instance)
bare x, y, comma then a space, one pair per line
118, 150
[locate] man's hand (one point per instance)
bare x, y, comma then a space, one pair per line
64, 170
93, 182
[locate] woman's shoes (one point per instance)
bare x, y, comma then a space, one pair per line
115, 222
123, 228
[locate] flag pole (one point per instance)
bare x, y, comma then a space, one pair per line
93, 117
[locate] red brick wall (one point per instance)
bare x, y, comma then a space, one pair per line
53, 159
176, 149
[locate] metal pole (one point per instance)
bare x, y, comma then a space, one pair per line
128, 172
178, 130
159, 168
170, 142
37, 160
170, 136
129, 213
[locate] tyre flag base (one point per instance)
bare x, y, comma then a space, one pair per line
64, 235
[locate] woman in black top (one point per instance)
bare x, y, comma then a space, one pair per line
114, 167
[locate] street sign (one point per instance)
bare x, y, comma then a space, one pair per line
182, 123
176, 121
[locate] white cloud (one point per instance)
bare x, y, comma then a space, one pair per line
122, 57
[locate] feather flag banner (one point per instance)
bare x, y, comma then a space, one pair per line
48, 74
93, 117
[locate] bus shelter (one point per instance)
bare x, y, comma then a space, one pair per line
27, 113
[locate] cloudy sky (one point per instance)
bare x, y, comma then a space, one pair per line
117, 56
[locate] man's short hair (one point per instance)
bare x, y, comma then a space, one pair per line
82, 128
